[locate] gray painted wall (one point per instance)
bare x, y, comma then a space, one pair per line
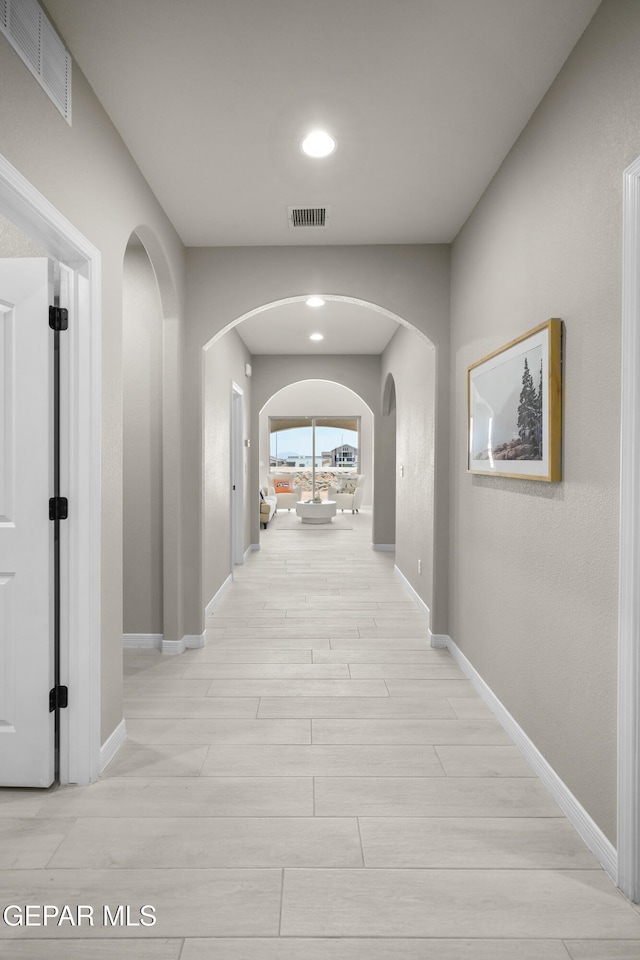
224, 364
411, 362
86, 172
533, 570
224, 284
534, 566
142, 446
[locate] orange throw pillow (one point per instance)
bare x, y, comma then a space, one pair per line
283, 485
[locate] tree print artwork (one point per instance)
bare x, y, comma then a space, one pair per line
514, 407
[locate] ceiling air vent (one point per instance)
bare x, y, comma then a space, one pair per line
308, 216
26, 27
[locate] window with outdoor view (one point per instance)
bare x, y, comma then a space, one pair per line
315, 450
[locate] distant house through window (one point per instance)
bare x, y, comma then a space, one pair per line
314, 447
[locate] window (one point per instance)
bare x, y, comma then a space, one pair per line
314, 448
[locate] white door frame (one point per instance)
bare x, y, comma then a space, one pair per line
21, 203
629, 615
237, 474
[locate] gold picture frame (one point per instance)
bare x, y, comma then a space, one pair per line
514, 408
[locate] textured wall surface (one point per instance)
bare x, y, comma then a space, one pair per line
224, 284
77, 168
142, 446
534, 571
14, 243
224, 363
411, 362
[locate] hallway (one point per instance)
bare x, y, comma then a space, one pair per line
315, 783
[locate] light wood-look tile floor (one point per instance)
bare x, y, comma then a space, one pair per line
317, 783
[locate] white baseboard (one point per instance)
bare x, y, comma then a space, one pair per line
600, 846
255, 546
439, 640
142, 641
188, 642
155, 641
225, 586
384, 547
195, 641
416, 596
249, 550
111, 745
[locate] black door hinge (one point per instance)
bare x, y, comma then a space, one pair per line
58, 318
58, 698
58, 508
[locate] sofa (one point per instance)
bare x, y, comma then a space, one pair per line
348, 493
268, 507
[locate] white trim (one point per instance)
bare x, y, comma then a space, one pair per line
142, 641
188, 642
195, 641
80, 727
439, 640
384, 547
629, 602
250, 549
600, 846
111, 745
416, 596
174, 647
215, 599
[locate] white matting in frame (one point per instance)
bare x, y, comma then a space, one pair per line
514, 400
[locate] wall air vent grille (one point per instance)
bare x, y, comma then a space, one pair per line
26, 27
308, 216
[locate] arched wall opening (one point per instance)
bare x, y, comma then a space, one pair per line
151, 445
319, 398
410, 355
409, 283
141, 447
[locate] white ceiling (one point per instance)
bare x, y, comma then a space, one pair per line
424, 97
347, 329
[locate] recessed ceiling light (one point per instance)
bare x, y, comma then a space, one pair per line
318, 144
315, 302
316, 336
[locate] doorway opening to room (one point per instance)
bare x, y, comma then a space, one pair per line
273, 349
327, 457
63, 518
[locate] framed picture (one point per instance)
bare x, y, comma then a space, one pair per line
515, 407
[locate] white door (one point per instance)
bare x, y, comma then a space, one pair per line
26, 647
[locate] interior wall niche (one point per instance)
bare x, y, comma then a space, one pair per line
142, 446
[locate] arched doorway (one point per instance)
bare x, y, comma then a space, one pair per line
410, 357
143, 622
152, 597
